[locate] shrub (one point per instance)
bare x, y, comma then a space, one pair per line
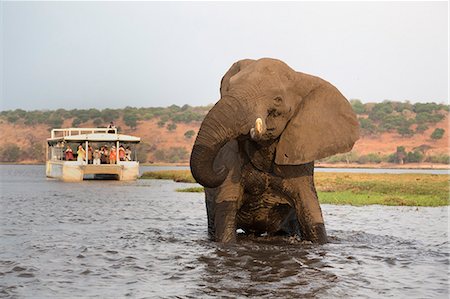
357, 106
130, 119
421, 128
10, 153
437, 133
369, 158
171, 127
98, 122
367, 125
414, 157
441, 158
189, 134
76, 122
172, 155
405, 131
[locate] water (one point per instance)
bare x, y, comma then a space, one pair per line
143, 240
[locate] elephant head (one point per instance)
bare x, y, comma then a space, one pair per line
266, 100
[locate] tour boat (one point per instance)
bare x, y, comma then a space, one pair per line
97, 161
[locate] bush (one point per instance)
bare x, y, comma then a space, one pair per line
189, 134
76, 122
405, 131
357, 106
421, 128
172, 155
10, 153
130, 119
171, 127
414, 157
437, 133
370, 158
367, 125
98, 122
441, 158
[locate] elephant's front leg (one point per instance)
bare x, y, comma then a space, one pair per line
298, 184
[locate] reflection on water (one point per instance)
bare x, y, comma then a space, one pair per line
142, 239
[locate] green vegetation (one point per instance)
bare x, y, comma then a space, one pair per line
191, 189
390, 116
437, 133
183, 176
171, 127
401, 156
189, 134
130, 115
172, 155
358, 188
11, 152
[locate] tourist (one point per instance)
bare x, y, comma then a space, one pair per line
96, 157
112, 155
69, 153
106, 154
90, 154
81, 154
112, 127
128, 154
121, 153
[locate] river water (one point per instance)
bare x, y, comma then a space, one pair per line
144, 240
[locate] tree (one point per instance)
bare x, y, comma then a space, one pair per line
130, 120
98, 122
357, 106
171, 127
400, 155
414, 157
421, 128
10, 153
437, 133
367, 125
405, 131
189, 134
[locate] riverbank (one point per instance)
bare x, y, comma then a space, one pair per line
317, 165
357, 188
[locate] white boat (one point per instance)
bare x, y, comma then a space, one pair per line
61, 166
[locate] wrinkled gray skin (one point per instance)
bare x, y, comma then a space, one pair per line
255, 150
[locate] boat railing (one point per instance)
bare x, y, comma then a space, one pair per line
78, 131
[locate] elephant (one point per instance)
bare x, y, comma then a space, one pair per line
254, 152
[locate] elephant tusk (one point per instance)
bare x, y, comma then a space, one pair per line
258, 130
258, 126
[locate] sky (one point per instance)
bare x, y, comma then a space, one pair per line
147, 54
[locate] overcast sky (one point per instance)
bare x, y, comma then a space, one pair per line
142, 54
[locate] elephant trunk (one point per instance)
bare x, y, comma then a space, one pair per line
225, 121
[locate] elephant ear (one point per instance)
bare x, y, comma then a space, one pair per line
323, 125
234, 69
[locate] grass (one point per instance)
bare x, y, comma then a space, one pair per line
358, 188
181, 176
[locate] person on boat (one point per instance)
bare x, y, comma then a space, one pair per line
102, 155
112, 155
121, 153
128, 154
111, 126
106, 154
68, 153
96, 155
81, 154
89, 154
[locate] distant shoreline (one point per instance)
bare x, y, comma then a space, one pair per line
317, 165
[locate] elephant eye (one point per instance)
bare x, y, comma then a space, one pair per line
277, 100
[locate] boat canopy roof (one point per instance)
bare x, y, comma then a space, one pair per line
91, 135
